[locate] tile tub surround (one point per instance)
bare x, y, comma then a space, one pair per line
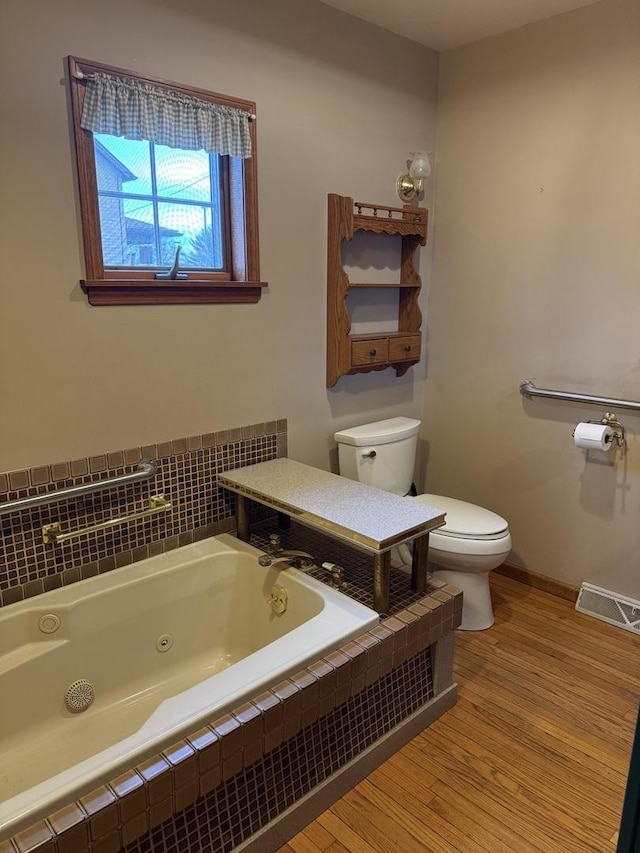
201, 794
225, 782
187, 475
222, 784
210, 599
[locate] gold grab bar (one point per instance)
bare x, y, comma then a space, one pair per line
53, 532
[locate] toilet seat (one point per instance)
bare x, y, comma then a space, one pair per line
468, 529
467, 546
466, 520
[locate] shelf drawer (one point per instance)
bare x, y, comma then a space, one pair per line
406, 348
375, 351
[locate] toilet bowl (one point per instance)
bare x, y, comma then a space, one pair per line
473, 541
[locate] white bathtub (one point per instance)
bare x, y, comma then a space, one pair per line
226, 646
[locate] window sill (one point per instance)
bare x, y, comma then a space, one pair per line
191, 291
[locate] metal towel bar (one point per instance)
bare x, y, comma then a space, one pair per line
528, 389
145, 470
53, 532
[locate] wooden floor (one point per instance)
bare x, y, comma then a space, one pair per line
533, 758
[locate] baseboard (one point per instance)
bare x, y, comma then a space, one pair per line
307, 809
546, 584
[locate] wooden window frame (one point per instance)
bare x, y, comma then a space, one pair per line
139, 287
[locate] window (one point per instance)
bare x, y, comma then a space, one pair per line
167, 188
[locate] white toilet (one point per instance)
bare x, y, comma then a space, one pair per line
473, 540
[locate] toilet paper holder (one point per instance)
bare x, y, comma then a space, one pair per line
611, 420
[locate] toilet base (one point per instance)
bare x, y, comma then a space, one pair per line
477, 610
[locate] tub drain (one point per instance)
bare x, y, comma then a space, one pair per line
79, 696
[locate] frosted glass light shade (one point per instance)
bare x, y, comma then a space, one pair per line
420, 166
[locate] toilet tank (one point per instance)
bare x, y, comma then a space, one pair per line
381, 454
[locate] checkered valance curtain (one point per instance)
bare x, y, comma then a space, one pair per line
126, 107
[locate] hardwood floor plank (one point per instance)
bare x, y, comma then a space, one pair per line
417, 836
446, 823
469, 834
532, 602
524, 831
530, 754
374, 825
580, 735
621, 673
320, 837
494, 802
552, 749
398, 789
613, 691
580, 757
532, 759
418, 778
540, 670
513, 811
541, 790
334, 825
302, 843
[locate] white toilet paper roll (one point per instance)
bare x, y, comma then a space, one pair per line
593, 436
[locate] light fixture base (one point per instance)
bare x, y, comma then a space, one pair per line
407, 187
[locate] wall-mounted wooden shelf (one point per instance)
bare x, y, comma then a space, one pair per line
379, 284
347, 353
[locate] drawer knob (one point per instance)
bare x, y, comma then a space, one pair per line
407, 348
372, 352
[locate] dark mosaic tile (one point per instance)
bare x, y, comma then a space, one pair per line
232, 809
187, 475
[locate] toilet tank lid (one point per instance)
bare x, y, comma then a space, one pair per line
466, 519
379, 432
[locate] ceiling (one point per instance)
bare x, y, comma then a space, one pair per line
442, 24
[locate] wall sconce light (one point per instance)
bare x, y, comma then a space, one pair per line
412, 184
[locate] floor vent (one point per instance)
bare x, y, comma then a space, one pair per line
610, 607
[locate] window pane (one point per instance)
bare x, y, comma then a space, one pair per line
128, 232
200, 252
113, 231
143, 231
140, 231
182, 174
122, 165
201, 243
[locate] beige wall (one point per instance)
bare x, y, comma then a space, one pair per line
537, 271
340, 104
537, 275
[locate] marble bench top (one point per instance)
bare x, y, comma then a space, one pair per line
360, 514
